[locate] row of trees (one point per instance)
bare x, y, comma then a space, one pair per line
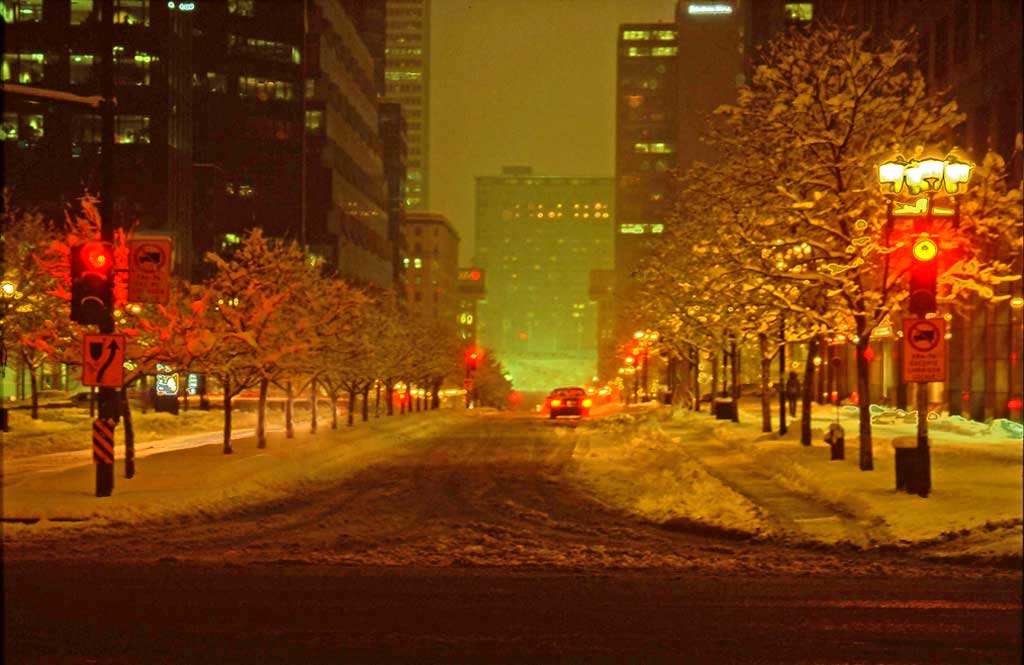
266, 316
786, 238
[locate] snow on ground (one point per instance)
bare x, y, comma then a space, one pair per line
689, 470
179, 480
692, 467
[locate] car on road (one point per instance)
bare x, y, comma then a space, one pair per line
572, 401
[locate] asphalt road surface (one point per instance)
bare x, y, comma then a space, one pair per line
477, 546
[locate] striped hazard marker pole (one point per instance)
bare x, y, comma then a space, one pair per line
103, 455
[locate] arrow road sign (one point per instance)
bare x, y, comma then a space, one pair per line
103, 361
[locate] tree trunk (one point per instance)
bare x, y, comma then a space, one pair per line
766, 369
435, 396
389, 396
34, 383
366, 402
261, 415
696, 379
129, 434
376, 404
334, 411
782, 378
734, 358
808, 387
351, 405
312, 406
864, 400
227, 416
289, 425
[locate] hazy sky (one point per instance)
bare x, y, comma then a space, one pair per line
522, 82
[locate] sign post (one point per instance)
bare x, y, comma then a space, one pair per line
924, 360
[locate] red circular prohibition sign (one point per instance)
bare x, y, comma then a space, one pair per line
924, 335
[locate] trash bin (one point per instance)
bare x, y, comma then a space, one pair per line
724, 408
836, 439
907, 464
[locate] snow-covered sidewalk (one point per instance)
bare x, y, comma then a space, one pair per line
693, 469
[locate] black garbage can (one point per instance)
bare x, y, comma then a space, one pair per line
724, 408
907, 464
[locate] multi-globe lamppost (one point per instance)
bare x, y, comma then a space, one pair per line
923, 353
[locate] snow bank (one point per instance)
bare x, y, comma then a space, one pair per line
974, 509
629, 463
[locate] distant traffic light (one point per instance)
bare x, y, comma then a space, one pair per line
92, 282
923, 274
472, 357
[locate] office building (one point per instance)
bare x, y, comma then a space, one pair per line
407, 82
431, 266
539, 238
274, 88
52, 149
645, 155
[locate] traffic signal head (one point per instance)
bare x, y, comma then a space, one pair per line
923, 274
472, 356
92, 282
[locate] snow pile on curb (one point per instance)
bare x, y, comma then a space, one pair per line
628, 463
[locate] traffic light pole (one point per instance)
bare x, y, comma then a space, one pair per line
109, 401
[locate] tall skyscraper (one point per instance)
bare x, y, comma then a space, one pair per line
407, 58
276, 89
645, 153
538, 238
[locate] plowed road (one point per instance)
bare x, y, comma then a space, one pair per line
477, 545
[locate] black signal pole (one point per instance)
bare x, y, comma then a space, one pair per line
109, 402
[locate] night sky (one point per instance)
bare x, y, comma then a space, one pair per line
524, 82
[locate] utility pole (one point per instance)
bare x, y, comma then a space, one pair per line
109, 400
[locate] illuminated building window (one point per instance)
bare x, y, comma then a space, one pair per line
638, 51
417, 263
264, 48
635, 35
405, 262
27, 127
241, 7
132, 69
24, 68
81, 68
80, 11
131, 12
800, 12
261, 89
131, 129
403, 76
662, 51
631, 229
20, 11
665, 35
315, 122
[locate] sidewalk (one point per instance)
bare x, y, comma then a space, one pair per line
974, 508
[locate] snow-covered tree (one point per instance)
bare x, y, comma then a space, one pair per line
820, 113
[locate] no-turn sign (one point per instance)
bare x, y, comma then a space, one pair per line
149, 269
924, 350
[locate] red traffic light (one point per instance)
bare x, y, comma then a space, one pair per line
92, 283
923, 274
97, 256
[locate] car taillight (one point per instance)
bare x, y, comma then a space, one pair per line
556, 402
587, 403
